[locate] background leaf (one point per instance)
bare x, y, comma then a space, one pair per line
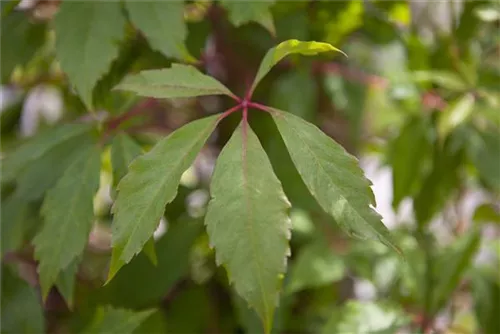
176, 81
247, 222
86, 42
241, 12
151, 183
68, 213
108, 320
162, 23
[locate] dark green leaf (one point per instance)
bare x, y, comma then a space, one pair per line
333, 177
123, 151
247, 222
486, 294
486, 213
241, 12
162, 22
148, 284
68, 213
17, 222
108, 320
151, 184
483, 149
410, 153
20, 39
87, 33
176, 81
274, 55
452, 266
22, 310
65, 283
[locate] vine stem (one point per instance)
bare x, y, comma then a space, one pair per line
230, 111
259, 106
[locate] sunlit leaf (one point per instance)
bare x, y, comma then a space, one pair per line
274, 55
247, 222
151, 184
68, 214
333, 177
176, 81
455, 114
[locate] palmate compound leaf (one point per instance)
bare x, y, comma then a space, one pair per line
176, 81
87, 36
274, 55
241, 12
68, 214
247, 222
150, 185
333, 177
162, 23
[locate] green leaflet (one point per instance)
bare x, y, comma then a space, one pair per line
316, 265
108, 320
483, 149
151, 184
274, 55
20, 40
445, 79
333, 177
176, 81
241, 12
65, 283
410, 152
17, 221
34, 148
87, 35
22, 311
162, 22
247, 222
123, 151
68, 213
455, 115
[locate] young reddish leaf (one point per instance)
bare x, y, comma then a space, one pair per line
151, 184
333, 177
68, 212
176, 81
247, 222
241, 12
162, 22
274, 55
87, 33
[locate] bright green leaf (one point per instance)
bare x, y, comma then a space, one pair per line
486, 213
68, 212
162, 22
316, 266
22, 311
333, 177
445, 79
247, 222
274, 55
87, 35
241, 12
410, 152
108, 320
34, 148
455, 114
150, 185
176, 81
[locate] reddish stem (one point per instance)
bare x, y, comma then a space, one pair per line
229, 111
258, 106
